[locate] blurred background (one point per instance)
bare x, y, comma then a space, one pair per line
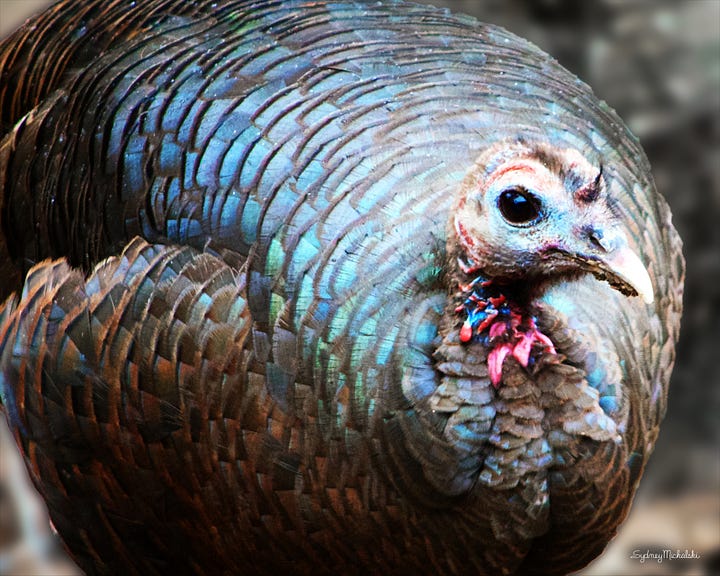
657, 62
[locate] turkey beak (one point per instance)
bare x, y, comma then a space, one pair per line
613, 260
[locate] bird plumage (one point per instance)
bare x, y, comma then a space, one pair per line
246, 353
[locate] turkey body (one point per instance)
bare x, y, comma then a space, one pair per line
233, 345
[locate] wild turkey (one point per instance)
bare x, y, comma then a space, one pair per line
328, 288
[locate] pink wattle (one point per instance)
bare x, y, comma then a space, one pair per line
496, 358
509, 330
519, 347
521, 351
466, 332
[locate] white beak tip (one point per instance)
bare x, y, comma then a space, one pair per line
648, 296
628, 266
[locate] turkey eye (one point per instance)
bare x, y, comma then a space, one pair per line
518, 206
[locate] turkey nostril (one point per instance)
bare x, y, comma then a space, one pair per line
596, 238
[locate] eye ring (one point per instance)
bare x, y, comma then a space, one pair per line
519, 207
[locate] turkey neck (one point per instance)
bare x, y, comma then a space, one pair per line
511, 437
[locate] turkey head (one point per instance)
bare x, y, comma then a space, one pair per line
527, 216
538, 213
